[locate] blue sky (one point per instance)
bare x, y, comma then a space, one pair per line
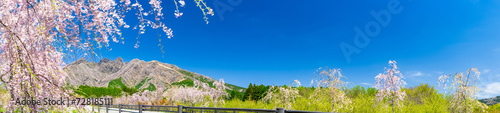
275, 42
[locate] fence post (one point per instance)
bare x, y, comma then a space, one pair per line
179, 109
119, 108
280, 110
107, 106
140, 108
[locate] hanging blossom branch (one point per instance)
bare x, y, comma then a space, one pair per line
328, 83
35, 35
463, 89
389, 84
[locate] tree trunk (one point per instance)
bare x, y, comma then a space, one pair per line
465, 93
333, 103
393, 102
393, 91
333, 106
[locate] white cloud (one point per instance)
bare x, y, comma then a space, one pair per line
490, 90
416, 73
493, 88
364, 83
486, 71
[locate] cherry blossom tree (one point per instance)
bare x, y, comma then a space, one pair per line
463, 89
283, 94
329, 83
219, 94
184, 94
389, 84
35, 36
146, 98
199, 93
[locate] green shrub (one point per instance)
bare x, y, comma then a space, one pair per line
186, 82
357, 91
129, 90
233, 94
495, 108
116, 83
97, 92
419, 93
186, 73
305, 91
138, 86
151, 87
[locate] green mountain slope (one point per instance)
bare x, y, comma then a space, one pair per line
491, 101
189, 82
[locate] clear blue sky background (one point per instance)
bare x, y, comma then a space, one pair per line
274, 42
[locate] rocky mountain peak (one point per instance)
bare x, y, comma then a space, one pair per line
108, 66
79, 61
132, 74
104, 60
118, 59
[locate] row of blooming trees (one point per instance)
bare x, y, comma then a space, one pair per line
200, 93
463, 88
390, 85
329, 86
35, 36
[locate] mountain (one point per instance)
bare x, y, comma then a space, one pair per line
490, 101
136, 73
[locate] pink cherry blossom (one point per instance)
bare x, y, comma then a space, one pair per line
36, 35
200, 93
389, 85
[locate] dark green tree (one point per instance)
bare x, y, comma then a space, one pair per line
248, 92
236, 95
255, 92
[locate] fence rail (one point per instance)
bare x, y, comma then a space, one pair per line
187, 109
